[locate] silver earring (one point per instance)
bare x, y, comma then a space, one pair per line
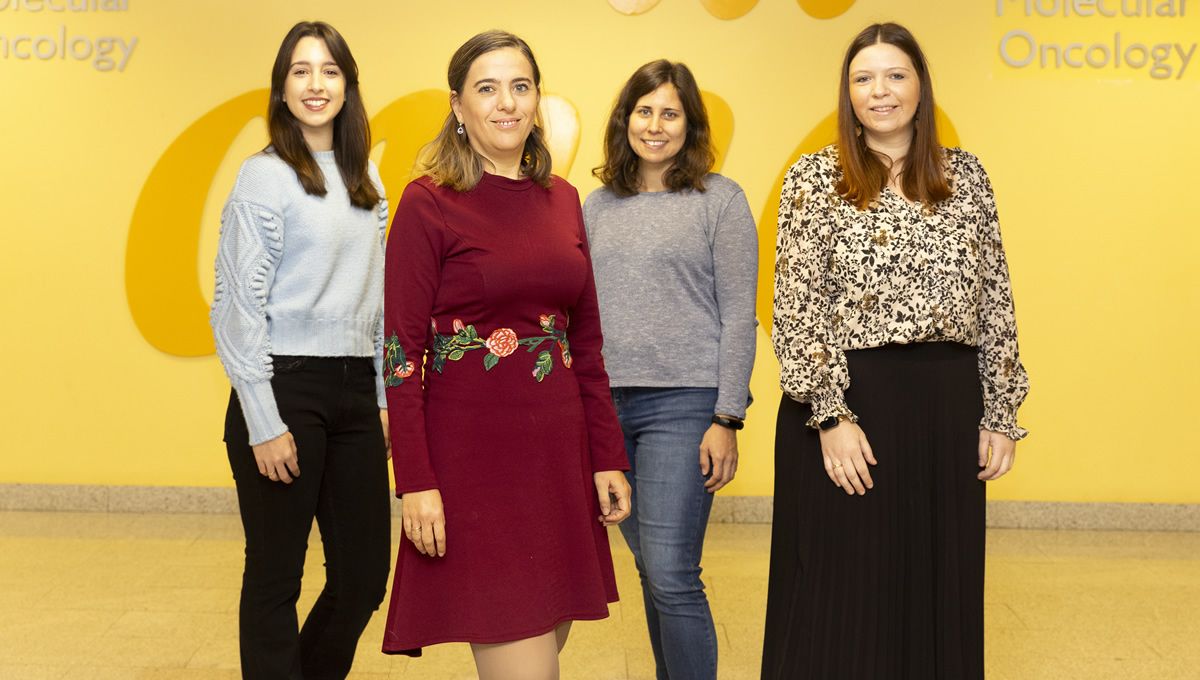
460, 128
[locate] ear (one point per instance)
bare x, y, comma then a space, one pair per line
456, 106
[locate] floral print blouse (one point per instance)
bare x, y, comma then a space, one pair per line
897, 272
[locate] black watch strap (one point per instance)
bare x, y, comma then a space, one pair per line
731, 423
829, 423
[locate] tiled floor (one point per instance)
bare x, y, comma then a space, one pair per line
100, 596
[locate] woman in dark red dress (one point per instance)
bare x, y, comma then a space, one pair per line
507, 450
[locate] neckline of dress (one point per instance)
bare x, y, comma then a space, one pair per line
506, 183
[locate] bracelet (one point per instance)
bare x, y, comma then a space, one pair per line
731, 423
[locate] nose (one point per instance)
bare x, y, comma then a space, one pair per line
879, 87
317, 82
655, 124
506, 102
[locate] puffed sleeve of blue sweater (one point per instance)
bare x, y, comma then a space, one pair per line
248, 253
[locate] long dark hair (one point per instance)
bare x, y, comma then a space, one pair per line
449, 159
695, 159
351, 133
864, 173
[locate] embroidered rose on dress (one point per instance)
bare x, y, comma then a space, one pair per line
502, 342
395, 366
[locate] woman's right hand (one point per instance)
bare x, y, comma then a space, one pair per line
276, 458
424, 521
847, 454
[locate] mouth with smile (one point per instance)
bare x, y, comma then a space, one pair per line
654, 144
315, 103
507, 123
884, 110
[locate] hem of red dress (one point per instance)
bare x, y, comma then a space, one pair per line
491, 640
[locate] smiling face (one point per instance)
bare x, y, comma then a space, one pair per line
498, 106
884, 91
314, 91
657, 131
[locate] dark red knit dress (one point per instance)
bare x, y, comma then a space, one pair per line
489, 295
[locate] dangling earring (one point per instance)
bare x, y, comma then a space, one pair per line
460, 129
858, 130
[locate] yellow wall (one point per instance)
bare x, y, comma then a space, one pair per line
1093, 168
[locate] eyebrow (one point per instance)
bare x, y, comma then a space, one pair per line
306, 63
496, 81
889, 68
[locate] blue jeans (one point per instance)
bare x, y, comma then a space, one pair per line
663, 428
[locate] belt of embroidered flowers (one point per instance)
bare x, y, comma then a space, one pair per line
501, 343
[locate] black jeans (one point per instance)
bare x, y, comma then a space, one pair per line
329, 406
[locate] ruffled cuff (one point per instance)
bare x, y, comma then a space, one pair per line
829, 405
260, 411
1002, 418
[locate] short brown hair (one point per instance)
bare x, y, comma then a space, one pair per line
620, 169
351, 132
449, 159
864, 173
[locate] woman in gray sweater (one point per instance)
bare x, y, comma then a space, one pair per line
674, 250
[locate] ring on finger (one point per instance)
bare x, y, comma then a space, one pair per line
837, 465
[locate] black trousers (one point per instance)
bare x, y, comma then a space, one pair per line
890, 584
329, 406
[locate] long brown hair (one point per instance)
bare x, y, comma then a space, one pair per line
695, 159
864, 173
449, 159
351, 133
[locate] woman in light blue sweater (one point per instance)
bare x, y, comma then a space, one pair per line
674, 249
297, 318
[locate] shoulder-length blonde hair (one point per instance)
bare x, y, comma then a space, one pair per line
449, 159
864, 174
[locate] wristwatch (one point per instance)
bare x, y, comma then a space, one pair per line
731, 423
831, 422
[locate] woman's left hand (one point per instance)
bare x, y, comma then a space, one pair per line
719, 456
1003, 454
613, 490
387, 433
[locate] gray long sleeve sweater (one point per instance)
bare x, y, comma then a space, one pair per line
676, 274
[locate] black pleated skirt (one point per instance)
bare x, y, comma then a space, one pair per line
888, 585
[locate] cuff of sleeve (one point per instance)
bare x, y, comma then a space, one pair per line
616, 460
731, 408
1002, 418
415, 487
830, 405
260, 411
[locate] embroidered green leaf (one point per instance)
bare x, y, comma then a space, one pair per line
545, 363
456, 355
489, 361
439, 362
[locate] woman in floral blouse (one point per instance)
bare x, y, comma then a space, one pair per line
895, 333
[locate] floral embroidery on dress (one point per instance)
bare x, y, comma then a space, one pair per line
395, 366
501, 343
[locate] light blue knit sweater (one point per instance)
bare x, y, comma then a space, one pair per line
296, 275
